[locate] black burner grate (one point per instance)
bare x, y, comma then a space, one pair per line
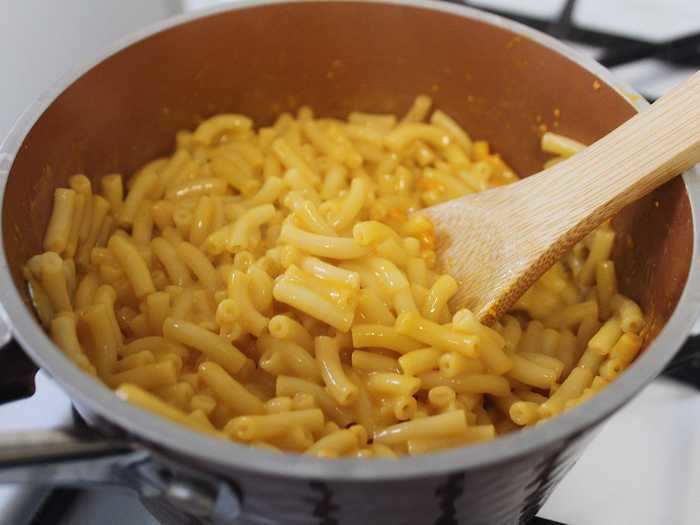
543, 521
615, 50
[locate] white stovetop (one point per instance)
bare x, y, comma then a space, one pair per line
643, 468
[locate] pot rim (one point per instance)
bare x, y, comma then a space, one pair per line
145, 427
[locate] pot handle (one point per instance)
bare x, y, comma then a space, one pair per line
81, 457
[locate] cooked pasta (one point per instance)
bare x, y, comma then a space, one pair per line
277, 286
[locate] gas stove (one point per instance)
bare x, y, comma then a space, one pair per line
644, 466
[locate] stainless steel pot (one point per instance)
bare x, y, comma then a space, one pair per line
502, 80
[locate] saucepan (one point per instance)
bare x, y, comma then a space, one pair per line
504, 82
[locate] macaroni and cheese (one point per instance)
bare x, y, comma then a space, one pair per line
277, 287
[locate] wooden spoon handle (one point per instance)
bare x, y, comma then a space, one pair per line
633, 160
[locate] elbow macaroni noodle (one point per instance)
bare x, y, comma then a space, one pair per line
277, 287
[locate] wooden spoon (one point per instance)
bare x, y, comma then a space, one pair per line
497, 243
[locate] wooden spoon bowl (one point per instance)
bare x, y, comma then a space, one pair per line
497, 243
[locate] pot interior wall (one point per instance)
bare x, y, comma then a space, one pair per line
339, 57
